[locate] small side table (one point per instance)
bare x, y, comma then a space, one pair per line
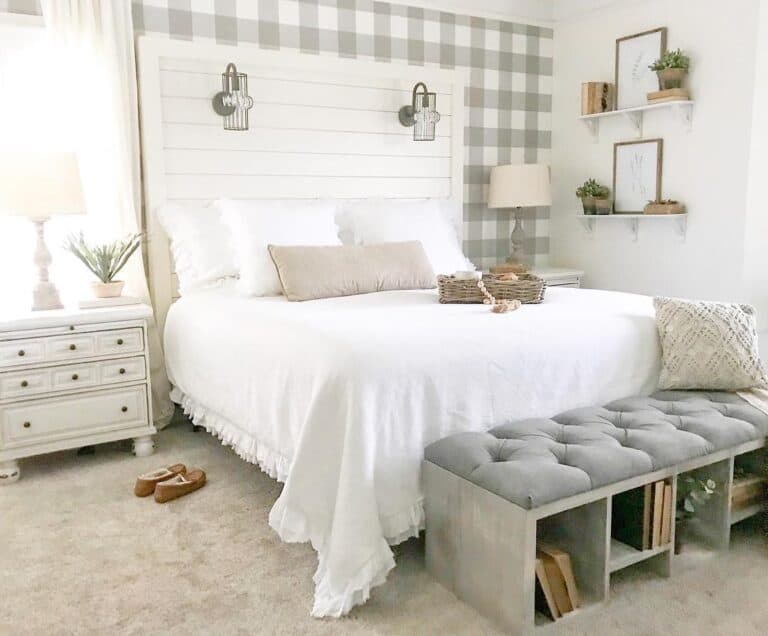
72, 378
559, 276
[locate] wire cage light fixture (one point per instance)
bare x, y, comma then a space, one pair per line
233, 101
421, 113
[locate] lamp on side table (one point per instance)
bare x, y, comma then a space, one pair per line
518, 186
38, 185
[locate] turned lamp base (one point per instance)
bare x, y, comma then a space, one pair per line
45, 296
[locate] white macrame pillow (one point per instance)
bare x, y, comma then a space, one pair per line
708, 345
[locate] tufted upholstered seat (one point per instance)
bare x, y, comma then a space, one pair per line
536, 461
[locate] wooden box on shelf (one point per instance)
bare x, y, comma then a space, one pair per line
747, 491
664, 207
596, 97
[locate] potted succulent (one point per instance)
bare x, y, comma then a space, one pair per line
104, 260
692, 495
594, 197
671, 68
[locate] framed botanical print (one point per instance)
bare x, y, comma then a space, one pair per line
634, 54
636, 174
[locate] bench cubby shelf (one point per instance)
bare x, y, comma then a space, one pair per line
483, 548
681, 109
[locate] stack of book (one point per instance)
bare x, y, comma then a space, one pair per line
556, 591
642, 518
668, 95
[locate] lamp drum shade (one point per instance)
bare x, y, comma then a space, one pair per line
39, 185
519, 186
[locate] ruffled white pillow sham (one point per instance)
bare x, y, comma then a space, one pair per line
200, 244
253, 225
386, 221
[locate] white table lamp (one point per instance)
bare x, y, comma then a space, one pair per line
38, 185
519, 186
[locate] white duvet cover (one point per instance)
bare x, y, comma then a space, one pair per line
339, 397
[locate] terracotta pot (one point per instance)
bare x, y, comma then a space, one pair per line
107, 290
602, 206
671, 78
589, 205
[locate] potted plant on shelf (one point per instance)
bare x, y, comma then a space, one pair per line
105, 261
594, 197
692, 495
671, 68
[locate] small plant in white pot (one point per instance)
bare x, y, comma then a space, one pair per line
671, 68
104, 260
594, 197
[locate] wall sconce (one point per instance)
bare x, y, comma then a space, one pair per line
233, 102
421, 114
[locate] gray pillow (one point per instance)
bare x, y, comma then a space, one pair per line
708, 345
309, 272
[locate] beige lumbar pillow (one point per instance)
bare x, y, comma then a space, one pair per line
310, 272
708, 345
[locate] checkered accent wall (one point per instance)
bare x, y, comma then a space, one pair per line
508, 100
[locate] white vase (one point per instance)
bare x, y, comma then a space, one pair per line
107, 290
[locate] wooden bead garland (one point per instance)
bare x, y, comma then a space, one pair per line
497, 306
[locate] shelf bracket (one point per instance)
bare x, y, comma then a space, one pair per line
636, 119
634, 226
684, 113
593, 126
681, 224
588, 224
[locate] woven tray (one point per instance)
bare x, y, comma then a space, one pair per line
528, 289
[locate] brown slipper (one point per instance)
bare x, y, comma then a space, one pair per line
179, 486
145, 484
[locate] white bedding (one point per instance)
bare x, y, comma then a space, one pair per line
338, 398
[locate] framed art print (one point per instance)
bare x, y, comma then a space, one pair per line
634, 54
636, 174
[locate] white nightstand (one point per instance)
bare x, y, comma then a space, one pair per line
71, 378
559, 276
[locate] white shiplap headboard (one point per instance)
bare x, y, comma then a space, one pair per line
320, 127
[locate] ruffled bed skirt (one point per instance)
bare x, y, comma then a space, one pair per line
295, 528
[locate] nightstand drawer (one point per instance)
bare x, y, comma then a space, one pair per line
70, 347
126, 370
119, 341
72, 416
22, 384
21, 352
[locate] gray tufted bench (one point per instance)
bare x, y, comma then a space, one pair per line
489, 496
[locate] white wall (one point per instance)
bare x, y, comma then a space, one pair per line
706, 168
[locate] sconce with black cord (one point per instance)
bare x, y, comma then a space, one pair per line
233, 102
421, 113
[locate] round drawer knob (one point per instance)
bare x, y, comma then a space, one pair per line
75, 376
124, 409
24, 384
27, 424
72, 347
21, 353
122, 371
119, 341
71, 327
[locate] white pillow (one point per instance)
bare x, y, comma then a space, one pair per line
256, 224
200, 244
389, 221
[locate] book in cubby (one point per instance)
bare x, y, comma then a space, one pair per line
642, 517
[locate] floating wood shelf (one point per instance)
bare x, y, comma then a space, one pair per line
680, 221
681, 109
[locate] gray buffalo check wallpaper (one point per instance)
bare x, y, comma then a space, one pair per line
508, 100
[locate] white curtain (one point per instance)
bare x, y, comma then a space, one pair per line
96, 39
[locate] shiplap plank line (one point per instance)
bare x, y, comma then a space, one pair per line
208, 187
226, 163
281, 91
282, 116
191, 136
213, 71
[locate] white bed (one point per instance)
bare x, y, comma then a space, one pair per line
337, 398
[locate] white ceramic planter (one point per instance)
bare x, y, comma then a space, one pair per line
107, 290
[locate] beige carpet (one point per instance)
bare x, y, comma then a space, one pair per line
79, 554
